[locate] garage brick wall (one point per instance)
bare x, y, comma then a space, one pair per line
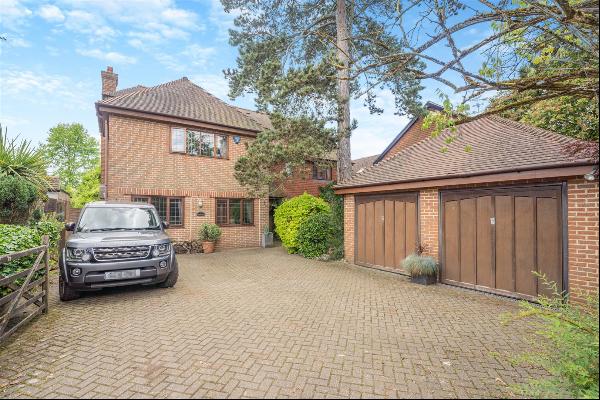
583, 236
429, 221
349, 215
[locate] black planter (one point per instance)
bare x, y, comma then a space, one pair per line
424, 279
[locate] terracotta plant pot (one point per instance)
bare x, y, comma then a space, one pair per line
208, 247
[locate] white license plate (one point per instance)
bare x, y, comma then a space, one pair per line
125, 274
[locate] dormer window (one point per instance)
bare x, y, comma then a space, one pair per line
199, 143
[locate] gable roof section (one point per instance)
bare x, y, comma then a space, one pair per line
183, 99
429, 106
498, 145
361, 164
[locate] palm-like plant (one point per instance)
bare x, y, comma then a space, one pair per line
22, 159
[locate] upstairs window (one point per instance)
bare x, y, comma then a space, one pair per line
198, 143
321, 173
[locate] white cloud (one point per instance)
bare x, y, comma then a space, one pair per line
43, 88
192, 56
215, 84
199, 56
375, 132
51, 13
15, 41
13, 13
110, 56
221, 20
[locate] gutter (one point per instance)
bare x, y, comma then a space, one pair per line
472, 174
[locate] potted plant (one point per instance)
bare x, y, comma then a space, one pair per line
422, 269
267, 237
209, 234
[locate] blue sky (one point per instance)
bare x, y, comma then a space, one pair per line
50, 65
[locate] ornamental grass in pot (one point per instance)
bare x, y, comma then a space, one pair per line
209, 234
422, 269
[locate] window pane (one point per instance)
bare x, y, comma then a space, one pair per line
139, 199
208, 144
248, 212
222, 211
160, 203
222, 146
235, 209
193, 143
178, 140
175, 212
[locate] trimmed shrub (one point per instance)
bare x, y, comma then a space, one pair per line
336, 239
314, 235
17, 197
417, 265
209, 232
49, 225
290, 215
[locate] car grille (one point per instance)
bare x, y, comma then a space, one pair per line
121, 253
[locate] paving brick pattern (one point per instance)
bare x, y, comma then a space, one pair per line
260, 323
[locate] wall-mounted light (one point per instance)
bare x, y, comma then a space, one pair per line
592, 175
237, 139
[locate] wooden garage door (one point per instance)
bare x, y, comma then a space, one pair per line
386, 229
494, 239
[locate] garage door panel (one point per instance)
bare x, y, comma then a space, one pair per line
389, 258
525, 245
370, 233
468, 240
379, 233
549, 251
451, 270
399, 233
515, 230
360, 233
505, 279
485, 251
411, 227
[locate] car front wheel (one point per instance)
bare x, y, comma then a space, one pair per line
171, 278
65, 292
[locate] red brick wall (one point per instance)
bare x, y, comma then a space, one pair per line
140, 163
429, 221
414, 134
583, 236
349, 228
302, 181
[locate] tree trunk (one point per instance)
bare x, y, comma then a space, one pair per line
344, 162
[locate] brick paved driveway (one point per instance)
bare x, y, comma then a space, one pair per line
260, 323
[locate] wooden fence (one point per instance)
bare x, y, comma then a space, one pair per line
29, 299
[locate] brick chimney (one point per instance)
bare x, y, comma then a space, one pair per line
110, 80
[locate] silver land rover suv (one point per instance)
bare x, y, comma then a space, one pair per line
116, 244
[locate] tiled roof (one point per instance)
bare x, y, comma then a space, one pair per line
260, 117
184, 99
360, 164
497, 145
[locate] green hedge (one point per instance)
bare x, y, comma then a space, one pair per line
290, 215
336, 238
314, 235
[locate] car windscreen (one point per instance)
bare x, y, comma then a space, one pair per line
117, 218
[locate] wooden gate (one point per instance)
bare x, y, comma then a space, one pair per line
29, 298
495, 239
386, 229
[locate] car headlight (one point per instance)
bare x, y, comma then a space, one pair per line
78, 254
161, 250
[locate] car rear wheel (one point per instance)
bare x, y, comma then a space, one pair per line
171, 278
65, 292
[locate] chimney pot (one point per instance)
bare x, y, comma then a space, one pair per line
110, 80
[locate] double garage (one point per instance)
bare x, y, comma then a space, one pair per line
493, 239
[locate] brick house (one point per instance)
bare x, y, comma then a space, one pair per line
175, 145
516, 203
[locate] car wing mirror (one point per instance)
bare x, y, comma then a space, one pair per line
165, 224
70, 226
